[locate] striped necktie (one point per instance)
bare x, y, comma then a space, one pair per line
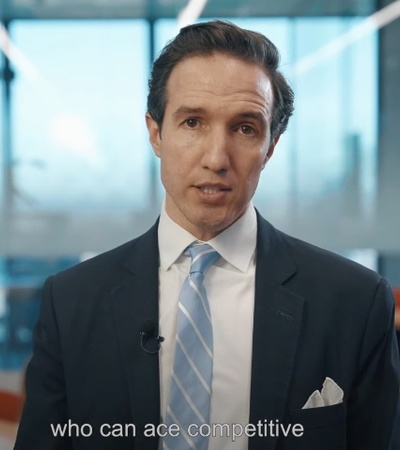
190, 388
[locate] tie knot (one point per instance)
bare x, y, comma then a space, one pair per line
202, 257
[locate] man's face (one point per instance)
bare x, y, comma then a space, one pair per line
214, 141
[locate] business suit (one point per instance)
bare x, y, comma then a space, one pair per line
316, 315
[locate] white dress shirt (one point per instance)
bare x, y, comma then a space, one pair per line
230, 286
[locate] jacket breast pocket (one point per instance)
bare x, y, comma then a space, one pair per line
323, 428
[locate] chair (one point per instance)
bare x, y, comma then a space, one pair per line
396, 293
10, 406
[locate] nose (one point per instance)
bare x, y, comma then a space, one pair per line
216, 156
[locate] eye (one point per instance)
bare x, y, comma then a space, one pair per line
247, 129
192, 123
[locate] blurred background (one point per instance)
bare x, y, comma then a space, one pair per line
77, 174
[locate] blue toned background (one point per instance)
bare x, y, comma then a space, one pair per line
79, 177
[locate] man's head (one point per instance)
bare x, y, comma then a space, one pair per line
215, 114
221, 37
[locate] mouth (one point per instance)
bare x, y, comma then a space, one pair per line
214, 194
212, 189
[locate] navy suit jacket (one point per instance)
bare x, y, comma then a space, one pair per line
316, 315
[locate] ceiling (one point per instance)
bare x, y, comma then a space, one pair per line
79, 9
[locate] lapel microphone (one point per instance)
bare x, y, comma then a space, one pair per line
150, 340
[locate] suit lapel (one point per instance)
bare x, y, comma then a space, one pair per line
277, 321
135, 303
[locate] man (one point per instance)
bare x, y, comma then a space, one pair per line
295, 347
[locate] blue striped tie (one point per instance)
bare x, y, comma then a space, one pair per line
190, 388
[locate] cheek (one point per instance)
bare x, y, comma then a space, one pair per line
252, 177
167, 174
172, 172
178, 161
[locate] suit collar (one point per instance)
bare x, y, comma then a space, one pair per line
135, 306
277, 323
273, 255
143, 251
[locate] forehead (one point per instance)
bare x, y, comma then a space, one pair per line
219, 79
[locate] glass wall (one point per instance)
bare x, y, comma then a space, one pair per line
79, 173
80, 153
83, 174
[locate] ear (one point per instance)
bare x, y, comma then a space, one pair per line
270, 151
154, 134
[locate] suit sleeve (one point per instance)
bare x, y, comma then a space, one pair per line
45, 405
373, 407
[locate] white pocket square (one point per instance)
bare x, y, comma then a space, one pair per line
330, 394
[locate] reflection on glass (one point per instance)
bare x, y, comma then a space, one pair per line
77, 143
81, 155
81, 158
21, 281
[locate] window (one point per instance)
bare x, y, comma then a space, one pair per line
77, 110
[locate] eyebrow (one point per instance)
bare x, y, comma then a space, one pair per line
186, 110
259, 116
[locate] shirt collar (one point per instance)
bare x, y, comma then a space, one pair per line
173, 240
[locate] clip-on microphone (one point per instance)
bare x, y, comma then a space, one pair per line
150, 340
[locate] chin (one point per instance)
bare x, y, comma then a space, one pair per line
209, 227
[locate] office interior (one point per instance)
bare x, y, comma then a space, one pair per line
78, 176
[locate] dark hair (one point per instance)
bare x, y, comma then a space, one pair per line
221, 37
